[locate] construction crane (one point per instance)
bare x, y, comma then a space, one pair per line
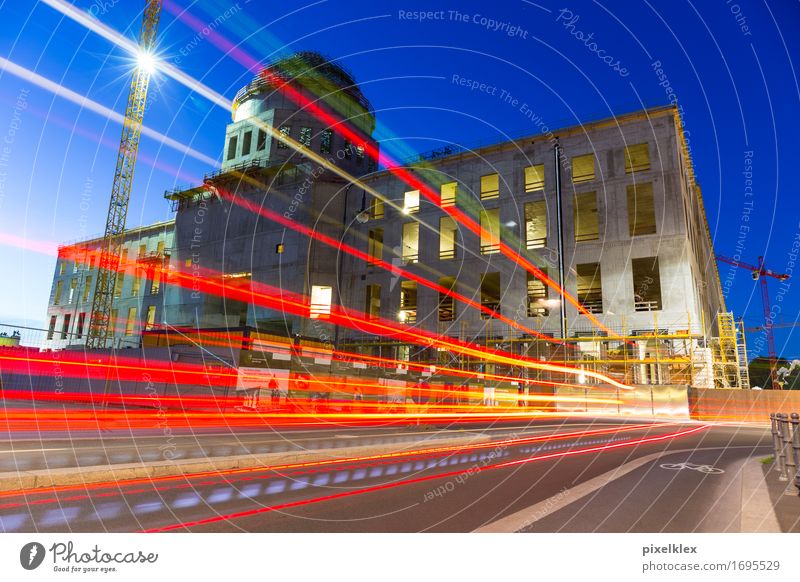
100, 325
760, 273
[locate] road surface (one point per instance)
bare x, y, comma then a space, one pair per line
454, 490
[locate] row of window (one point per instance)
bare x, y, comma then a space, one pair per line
304, 138
153, 279
637, 159
89, 258
641, 221
646, 293
80, 324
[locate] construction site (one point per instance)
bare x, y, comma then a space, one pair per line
586, 249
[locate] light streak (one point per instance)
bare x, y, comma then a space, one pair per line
336, 462
393, 485
393, 166
282, 300
86, 103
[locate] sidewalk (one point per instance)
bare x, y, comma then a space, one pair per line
786, 507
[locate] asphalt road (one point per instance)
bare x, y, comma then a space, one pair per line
452, 491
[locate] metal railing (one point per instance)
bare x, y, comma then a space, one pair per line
786, 442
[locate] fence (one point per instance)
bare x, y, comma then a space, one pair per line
786, 440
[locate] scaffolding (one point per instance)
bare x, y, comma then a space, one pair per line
661, 354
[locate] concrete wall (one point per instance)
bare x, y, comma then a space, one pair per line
658, 401
741, 405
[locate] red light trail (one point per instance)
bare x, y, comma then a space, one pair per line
383, 487
427, 452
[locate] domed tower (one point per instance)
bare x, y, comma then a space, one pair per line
282, 99
225, 228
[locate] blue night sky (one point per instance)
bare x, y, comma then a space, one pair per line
733, 66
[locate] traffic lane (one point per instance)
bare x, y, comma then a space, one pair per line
464, 505
699, 491
49, 453
157, 504
416, 504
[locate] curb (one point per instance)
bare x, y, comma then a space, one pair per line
126, 471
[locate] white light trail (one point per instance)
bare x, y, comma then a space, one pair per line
94, 106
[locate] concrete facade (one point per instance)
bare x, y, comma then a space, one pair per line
690, 290
70, 304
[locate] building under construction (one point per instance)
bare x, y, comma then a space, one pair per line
630, 236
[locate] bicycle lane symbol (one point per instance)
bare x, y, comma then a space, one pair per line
707, 469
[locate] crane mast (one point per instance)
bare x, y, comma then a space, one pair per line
760, 273
100, 326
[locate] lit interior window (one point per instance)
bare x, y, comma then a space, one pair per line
411, 202
534, 178
583, 168
321, 297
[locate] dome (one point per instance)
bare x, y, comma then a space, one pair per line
310, 70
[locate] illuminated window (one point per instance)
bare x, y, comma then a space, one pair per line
490, 231
150, 322
359, 154
490, 186
587, 225
305, 136
262, 140
348, 150
135, 285
537, 296
447, 304
155, 281
62, 267
583, 168
411, 242
372, 306
232, 147
637, 158
81, 324
160, 248
285, 131
590, 290
65, 326
321, 297
448, 193
535, 225
534, 178
448, 233
325, 140
411, 202
142, 251
490, 293
641, 209
408, 302
59, 291
51, 329
646, 284
130, 323
375, 245
87, 288
73, 286
118, 283
248, 140
376, 208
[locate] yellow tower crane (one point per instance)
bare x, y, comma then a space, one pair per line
101, 327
